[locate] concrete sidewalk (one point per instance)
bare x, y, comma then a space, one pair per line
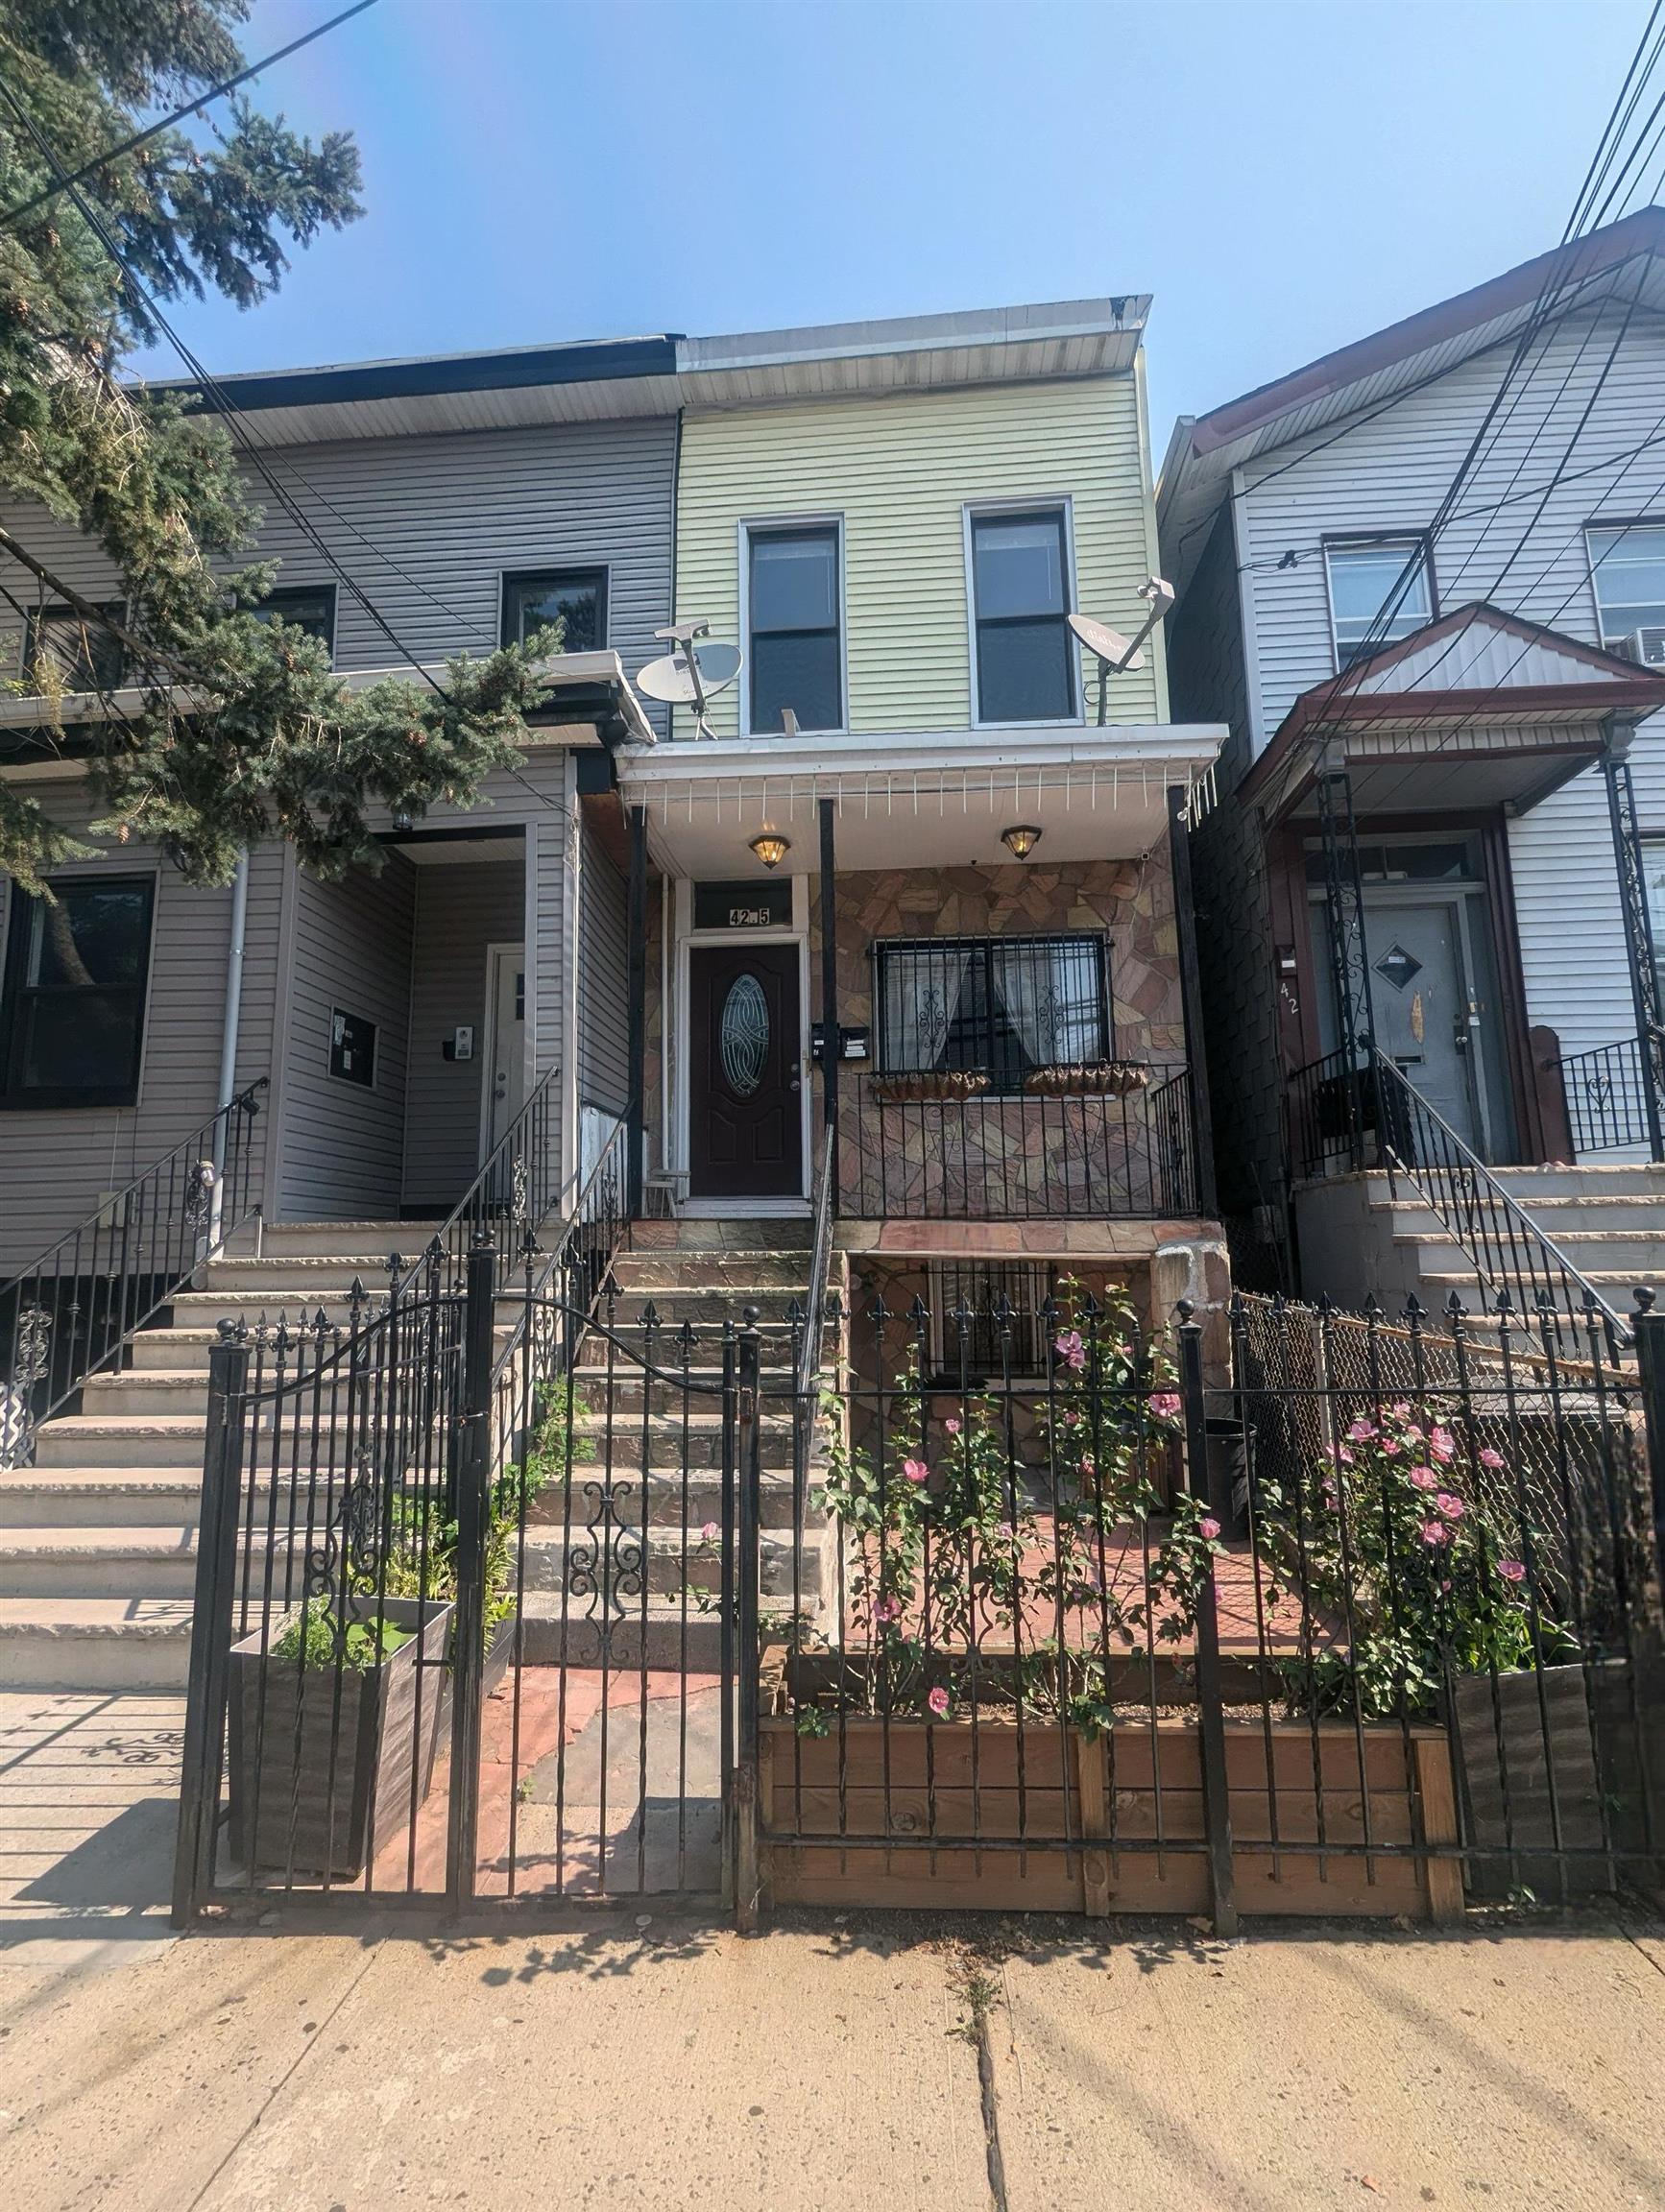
830, 2065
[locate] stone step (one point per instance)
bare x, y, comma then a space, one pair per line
1585, 1180
94, 1642
306, 1239
1589, 1251
146, 1391
134, 1561
85, 1440
675, 1555
1558, 1217
297, 1277
98, 1497
741, 1231
778, 1273
667, 1445
705, 1305
625, 1391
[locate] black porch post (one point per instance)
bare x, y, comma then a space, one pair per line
830, 1039
1638, 938
636, 991
1191, 998
1349, 951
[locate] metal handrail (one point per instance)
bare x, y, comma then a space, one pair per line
809, 1362
598, 1206
128, 1260
511, 1197
1607, 1100
1489, 1225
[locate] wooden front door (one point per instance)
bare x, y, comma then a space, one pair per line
745, 1127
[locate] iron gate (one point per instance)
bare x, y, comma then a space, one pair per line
472, 1590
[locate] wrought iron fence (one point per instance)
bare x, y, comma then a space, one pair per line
1606, 1097
942, 1149
73, 1312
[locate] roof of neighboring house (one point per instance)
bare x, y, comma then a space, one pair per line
1625, 260
656, 375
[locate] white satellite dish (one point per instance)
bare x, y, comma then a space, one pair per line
692, 671
1114, 654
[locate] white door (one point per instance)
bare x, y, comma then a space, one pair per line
506, 1085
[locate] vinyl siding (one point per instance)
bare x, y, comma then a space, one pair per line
57, 1165
461, 909
900, 472
344, 1144
425, 527
603, 1007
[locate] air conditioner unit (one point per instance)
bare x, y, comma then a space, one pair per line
1647, 645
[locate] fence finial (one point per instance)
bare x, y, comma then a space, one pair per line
1642, 1293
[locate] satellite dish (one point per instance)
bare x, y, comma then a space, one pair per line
1106, 643
689, 673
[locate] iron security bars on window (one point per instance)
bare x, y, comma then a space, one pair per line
999, 1007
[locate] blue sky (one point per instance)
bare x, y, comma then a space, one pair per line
1283, 177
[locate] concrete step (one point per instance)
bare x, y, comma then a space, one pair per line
1589, 1251
675, 1555
705, 1305
778, 1273
86, 1440
626, 1392
94, 1642
667, 1445
299, 1278
1584, 1181
1559, 1217
304, 1239
98, 1497
749, 1232
146, 1391
133, 1561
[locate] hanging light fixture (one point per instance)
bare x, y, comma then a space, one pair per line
1021, 839
770, 846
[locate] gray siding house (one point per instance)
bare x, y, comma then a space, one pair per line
400, 1018
1443, 804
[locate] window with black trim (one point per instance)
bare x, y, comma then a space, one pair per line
1021, 589
1628, 569
72, 1021
85, 655
308, 606
987, 1318
1365, 576
575, 597
795, 645
994, 1006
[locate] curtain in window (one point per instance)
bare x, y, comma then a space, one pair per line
922, 1000
1049, 995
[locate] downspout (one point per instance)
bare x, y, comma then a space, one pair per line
228, 1027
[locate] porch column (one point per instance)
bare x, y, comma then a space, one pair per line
635, 993
1349, 950
1191, 998
830, 1039
1638, 938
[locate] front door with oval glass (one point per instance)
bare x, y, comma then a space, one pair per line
745, 1084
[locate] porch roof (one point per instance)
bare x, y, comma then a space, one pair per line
588, 700
1477, 710
935, 799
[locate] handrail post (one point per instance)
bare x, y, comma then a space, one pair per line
1650, 1331
1210, 1713
211, 1613
469, 1458
830, 1041
1632, 886
747, 1875
1206, 1194
636, 996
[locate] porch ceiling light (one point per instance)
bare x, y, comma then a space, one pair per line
770, 846
1021, 839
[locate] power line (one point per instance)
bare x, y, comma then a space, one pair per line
139, 138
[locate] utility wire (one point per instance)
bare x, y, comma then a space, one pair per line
127, 146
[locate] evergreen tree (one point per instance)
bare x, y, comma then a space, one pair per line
243, 733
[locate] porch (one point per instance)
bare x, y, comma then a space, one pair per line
968, 970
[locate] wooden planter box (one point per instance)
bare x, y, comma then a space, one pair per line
294, 1803
499, 1651
1596, 1760
945, 1786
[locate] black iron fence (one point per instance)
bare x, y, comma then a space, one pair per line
1606, 1090
73, 1312
944, 1146
515, 1593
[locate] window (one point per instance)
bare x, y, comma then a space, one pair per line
1021, 595
308, 606
967, 1317
795, 647
73, 1016
88, 656
997, 1005
1653, 884
1628, 567
574, 596
1364, 577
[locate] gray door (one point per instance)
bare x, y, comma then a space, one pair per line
1420, 993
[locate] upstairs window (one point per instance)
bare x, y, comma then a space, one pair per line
997, 1006
72, 1021
308, 606
1628, 567
1368, 575
795, 645
1021, 595
87, 655
574, 596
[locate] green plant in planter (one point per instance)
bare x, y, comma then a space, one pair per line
1391, 1534
317, 1640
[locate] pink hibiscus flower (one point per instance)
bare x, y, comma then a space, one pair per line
1070, 1349
1443, 1444
915, 1470
1433, 1531
1490, 1458
1208, 1528
1512, 1570
1360, 1432
887, 1609
1425, 1479
952, 1425
938, 1701
1164, 1405
1451, 1505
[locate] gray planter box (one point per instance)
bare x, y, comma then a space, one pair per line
319, 1783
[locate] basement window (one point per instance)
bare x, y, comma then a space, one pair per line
967, 1322
72, 1018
